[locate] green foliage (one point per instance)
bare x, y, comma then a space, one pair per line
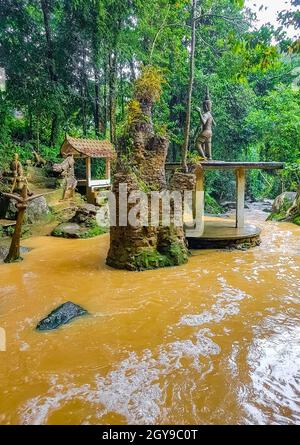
79, 75
93, 231
148, 85
134, 112
297, 220
211, 205
274, 134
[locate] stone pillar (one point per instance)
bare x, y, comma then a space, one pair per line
146, 246
240, 197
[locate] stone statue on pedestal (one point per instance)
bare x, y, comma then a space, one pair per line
67, 172
16, 176
204, 137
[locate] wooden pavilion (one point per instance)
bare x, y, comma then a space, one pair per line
89, 149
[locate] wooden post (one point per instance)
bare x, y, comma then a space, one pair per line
88, 170
22, 203
88, 174
240, 197
198, 206
107, 169
14, 250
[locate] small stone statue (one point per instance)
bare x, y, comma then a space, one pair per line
16, 174
204, 137
66, 170
38, 160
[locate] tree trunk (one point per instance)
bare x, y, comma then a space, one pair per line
112, 95
51, 64
122, 95
83, 91
30, 126
54, 130
185, 145
132, 71
38, 133
97, 102
50, 53
104, 115
14, 250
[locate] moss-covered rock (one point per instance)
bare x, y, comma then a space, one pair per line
74, 230
83, 224
281, 205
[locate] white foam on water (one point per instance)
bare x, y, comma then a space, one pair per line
134, 389
37, 410
24, 346
274, 363
228, 295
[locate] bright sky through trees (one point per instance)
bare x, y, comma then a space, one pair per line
269, 12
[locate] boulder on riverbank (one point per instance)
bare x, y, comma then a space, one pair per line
36, 210
84, 224
4, 252
281, 206
60, 316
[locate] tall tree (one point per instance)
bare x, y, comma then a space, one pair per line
190, 87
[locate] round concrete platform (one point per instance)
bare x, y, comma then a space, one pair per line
220, 233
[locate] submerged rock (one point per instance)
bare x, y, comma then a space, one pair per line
60, 316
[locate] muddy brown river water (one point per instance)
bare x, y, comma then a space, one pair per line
216, 341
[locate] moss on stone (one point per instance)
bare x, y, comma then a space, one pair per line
178, 254
58, 233
297, 220
135, 113
276, 216
93, 231
144, 187
82, 232
148, 259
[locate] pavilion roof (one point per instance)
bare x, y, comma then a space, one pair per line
91, 148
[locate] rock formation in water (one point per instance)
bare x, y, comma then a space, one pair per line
60, 316
143, 169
